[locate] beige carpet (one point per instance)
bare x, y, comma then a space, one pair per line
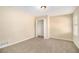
39, 45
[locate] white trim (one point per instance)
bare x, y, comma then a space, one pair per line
9, 44
61, 38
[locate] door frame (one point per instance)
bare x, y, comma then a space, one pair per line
45, 26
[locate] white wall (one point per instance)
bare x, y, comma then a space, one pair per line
15, 25
76, 27
61, 27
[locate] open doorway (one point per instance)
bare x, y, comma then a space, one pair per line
40, 28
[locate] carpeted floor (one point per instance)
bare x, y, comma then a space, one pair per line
39, 45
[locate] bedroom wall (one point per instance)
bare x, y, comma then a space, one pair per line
61, 27
15, 25
76, 27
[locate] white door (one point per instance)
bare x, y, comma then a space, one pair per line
39, 28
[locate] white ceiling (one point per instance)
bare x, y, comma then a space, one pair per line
51, 10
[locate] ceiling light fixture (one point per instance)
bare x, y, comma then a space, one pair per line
43, 7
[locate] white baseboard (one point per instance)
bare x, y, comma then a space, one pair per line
61, 39
9, 44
